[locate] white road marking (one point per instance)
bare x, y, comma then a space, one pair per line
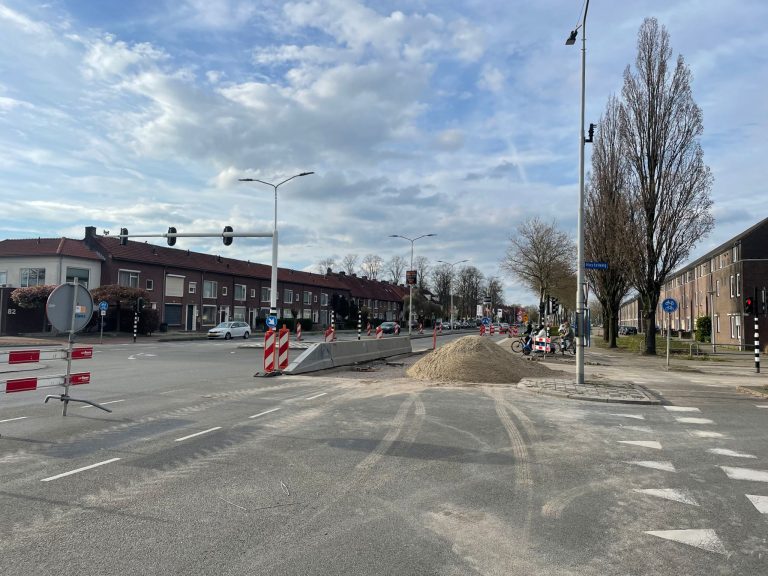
265, 412
669, 494
682, 409
718, 385
13, 419
745, 474
705, 434
760, 502
79, 470
172, 391
103, 403
198, 434
762, 405
726, 452
635, 416
655, 464
705, 539
316, 396
646, 429
642, 443
688, 420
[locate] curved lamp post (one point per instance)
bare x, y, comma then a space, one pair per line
580, 304
410, 297
451, 265
273, 288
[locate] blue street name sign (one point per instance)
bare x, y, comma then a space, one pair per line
272, 321
103, 305
596, 265
669, 305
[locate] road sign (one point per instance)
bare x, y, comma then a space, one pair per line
410, 277
596, 265
103, 305
669, 305
486, 321
272, 322
525, 317
68, 301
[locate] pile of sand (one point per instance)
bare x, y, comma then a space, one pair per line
477, 359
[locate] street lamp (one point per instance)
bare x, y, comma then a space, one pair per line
450, 287
273, 288
580, 324
410, 294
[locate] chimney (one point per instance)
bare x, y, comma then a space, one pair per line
90, 232
365, 277
328, 271
342, 273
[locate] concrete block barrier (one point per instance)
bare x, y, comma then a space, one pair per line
324, 355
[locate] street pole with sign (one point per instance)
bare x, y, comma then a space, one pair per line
669, 305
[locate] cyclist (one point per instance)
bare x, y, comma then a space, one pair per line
566, 334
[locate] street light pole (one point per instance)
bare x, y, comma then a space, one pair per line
450, 286
273, 283
410, 293
580, 323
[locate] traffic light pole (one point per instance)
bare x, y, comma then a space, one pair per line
173, 235
757, 346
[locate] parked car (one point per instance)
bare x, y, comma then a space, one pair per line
504, 327
388, 327
229, 330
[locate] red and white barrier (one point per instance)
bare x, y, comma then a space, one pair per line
368, 329
542, 344
379, 332
397, 329
33, 356
440, 330
298, 332
269, 351
29, 384
283, 345
492, 329
482, 329
421, 328
330, 334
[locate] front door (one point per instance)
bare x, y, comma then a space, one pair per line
190, 317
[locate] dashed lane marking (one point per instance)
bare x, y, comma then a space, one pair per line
642, 443
669, 494
745, 474
316, 396
265, 412
13, 419
646, 429
762, 405
104, 403
760, 502
733, 453
705, 539
197, 434
79, 470
705, 434
635, 416
655, 464
681, 409
688, 420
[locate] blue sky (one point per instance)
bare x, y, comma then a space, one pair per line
455, 118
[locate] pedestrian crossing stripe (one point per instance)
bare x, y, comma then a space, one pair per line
705, 539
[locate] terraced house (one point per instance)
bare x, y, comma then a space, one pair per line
191, 291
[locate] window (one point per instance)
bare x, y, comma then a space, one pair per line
287, 313
239, 314
288, 295
738, 282
717, 287
253, 292
323, 299
174, 285
224, 291
297, 296
315, 298
210, 289
315, 317
81, 274
717, 323
240, 291
128, 278
307, 313
733, 287
265, 294
307, 297
150, 284
192, 287
3, 277
209, 314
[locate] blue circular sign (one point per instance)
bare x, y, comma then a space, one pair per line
487, 321
669, 305
103, 305
272, 321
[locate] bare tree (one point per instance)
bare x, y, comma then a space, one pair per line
442, 276
396, 268
326, 264
469, 288
349, 263
540, 257
422, 267
606, 216
495, 290
668, 182
371, 266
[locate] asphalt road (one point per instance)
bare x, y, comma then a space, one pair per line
203, 469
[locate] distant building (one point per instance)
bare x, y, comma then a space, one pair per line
190, 290
716, 285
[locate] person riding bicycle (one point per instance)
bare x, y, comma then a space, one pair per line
528, 335
566, 334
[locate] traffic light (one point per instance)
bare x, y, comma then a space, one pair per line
591, 134
227, 239
749, 305
171, 239
123, 236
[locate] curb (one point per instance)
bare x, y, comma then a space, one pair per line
752, 391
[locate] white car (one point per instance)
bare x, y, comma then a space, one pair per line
229, 330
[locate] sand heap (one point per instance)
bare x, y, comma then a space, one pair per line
477, 359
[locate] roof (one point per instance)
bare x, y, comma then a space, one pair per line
29, 247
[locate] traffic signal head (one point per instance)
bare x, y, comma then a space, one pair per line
123, 236
749, 305
171, 239
227, 239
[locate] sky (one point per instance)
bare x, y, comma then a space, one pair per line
455, 118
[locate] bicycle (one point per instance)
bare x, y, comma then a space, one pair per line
519, 346
567, 345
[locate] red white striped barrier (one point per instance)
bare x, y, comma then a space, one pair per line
397, 329
298, 331
542, 344
492, 329
269, 351
330, 334
33, 356
29, 384
379, 332
368, 329
482, 329
421, 328
440, 330
283, 345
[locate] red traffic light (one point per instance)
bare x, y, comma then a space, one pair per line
748, 305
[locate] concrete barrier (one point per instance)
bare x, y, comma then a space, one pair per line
325, 355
